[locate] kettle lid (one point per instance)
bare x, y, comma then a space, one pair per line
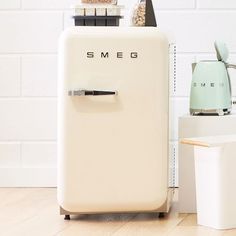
222, 51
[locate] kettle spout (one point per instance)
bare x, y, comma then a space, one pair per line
193, 66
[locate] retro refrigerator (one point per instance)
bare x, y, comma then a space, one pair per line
113, 120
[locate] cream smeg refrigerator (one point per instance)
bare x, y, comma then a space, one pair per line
113, 120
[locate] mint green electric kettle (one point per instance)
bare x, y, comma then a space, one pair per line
211, 87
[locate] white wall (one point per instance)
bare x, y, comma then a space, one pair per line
29, 30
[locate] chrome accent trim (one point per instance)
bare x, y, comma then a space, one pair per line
84, 92
220, 112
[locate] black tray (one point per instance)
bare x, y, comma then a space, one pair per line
97, 20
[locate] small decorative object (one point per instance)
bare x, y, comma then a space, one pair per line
97, 14
139, 14
100, 1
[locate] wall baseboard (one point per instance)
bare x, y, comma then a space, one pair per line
28, 177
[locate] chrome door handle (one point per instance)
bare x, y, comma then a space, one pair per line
84, 92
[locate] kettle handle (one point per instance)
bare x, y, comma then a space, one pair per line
233, 66
230, 66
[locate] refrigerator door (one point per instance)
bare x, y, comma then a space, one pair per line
113, 149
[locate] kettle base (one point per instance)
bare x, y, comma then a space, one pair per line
219, 112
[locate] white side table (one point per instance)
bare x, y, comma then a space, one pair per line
197, 126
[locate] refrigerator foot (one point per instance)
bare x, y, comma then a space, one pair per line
67, 217
161, 215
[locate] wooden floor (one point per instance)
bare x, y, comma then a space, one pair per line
35, 212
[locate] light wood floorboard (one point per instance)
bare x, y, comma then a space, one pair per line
34, 212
